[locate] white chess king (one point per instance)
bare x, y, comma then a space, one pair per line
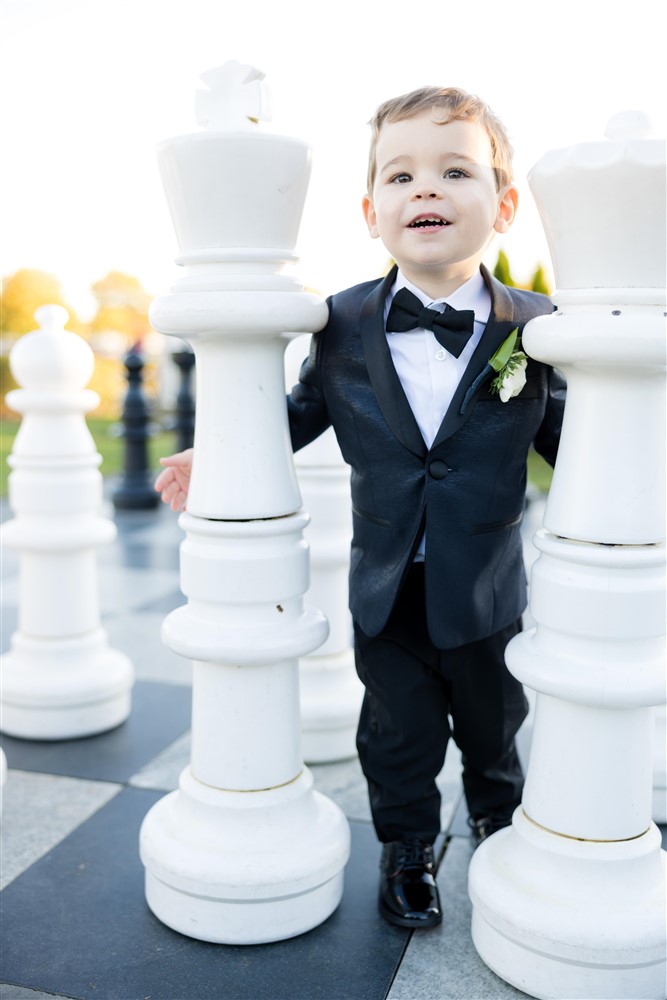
245, 851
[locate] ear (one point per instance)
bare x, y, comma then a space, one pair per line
508, 203
370, 216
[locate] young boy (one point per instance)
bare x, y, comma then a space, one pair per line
438, 472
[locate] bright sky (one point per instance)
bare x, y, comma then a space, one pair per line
90, 86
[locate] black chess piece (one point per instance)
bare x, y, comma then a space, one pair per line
185, 402
135, 490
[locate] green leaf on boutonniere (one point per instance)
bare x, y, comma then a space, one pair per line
504, 352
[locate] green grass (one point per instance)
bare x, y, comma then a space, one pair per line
109, 445
539, 472
110, 448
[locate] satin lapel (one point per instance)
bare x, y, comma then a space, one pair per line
386, 384
499, 326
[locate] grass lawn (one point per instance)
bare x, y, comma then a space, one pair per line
110, 448
108, 444
539, 472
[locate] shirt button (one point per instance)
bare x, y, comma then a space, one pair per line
437, 469
441, 354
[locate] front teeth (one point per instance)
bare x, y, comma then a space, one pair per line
427, 222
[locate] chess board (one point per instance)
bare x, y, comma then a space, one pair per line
74, 918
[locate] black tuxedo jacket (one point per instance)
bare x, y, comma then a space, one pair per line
467, 490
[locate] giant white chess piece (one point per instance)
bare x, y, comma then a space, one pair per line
245, 851
660, 765
3, 776
570, 901
61, 679
330, 691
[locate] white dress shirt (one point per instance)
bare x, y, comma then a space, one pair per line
429, 374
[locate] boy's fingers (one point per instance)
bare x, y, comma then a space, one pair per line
163, 479
169, 492
180, 458
178, 502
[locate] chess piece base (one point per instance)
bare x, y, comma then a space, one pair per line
559, 917
244, 867
59, 689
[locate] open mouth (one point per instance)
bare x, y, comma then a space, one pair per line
427, 222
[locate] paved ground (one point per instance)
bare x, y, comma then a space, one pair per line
74, 919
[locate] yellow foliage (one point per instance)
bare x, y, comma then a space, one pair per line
110, 382
122, 306
25, 291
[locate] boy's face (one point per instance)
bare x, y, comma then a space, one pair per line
434, 203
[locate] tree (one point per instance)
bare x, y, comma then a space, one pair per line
539, 282
122, 306
25, 291
502, 270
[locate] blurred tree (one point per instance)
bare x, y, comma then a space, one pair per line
122, 306
25, 291
502, 270
539, 282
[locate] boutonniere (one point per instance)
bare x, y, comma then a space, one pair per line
509, 362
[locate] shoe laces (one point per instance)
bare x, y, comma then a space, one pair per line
413, 854
488, 825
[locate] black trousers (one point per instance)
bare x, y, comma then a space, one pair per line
416, 697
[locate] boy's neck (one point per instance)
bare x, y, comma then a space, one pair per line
437, 285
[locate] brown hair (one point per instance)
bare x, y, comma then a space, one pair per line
454, 105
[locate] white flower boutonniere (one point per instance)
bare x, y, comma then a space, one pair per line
510, 363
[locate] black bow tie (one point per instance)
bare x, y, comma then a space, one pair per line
451, 328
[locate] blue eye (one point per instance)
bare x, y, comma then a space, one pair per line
455, 173
401, 178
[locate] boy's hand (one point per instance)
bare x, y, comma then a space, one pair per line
174, 480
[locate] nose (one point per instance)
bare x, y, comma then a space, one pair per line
426, 191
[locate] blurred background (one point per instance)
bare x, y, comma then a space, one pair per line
89, 87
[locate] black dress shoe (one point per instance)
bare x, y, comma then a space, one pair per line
408, 893
482, 828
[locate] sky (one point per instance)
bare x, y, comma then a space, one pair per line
89, 87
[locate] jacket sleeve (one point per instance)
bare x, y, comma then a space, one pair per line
306, 406
548, 435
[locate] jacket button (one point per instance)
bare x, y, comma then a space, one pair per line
437, 469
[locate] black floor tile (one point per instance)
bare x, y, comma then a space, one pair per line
160, 714
77, 923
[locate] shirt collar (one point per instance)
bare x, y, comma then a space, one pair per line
472, 294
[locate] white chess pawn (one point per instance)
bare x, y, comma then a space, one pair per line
330, 691
61, 679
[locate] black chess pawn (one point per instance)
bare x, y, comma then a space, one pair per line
135, 490
185, 403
